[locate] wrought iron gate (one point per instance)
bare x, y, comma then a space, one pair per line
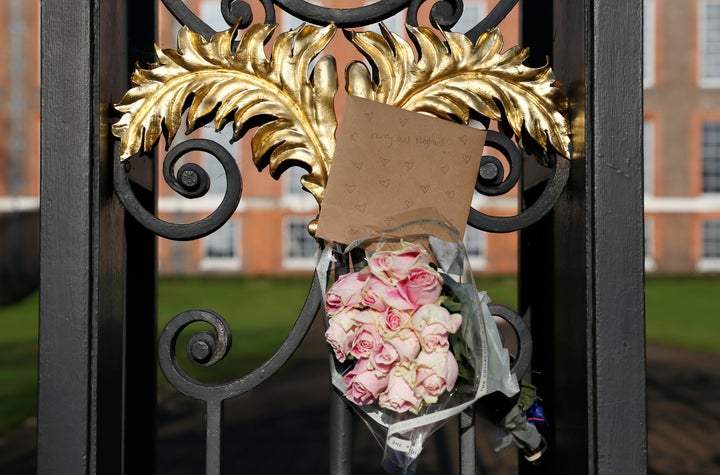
581, 260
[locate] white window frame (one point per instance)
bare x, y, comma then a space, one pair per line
230, 263
706, 158
649, 157
709, 263
649, 42
477, 261
705, 21
296, 262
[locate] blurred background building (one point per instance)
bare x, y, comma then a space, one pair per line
19, 148
268, 233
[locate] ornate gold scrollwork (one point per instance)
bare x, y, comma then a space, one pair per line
230, 78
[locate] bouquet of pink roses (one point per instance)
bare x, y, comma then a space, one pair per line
393, 319
412, 341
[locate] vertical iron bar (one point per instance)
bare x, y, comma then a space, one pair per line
340, 435
80, 381
213, 434
587, 255
140, 432
467, 442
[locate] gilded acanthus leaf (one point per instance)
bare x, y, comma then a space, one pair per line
452, 77
238, 83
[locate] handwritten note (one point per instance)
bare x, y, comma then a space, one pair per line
389, 163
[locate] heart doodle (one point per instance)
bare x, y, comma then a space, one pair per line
350, 188
450, 194
385, 183
389, 222
409, 203
358, 165
355, 136
409, 165
369, 115
467, 158
384, 161
425, 188
361, 207
444, 169
463, 139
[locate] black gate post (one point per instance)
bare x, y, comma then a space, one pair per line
581, 267
87, 369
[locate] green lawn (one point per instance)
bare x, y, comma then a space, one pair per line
681, 311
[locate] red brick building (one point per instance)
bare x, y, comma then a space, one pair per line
682, 135
267, 234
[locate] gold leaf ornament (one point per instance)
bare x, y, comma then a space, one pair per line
452, 77
230, 78
240, 84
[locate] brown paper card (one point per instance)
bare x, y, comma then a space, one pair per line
390, 165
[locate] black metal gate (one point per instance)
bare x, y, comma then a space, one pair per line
581, 256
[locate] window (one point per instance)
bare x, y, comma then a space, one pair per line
476, 247
299, 246
220, 248
709, 42
211, 14
711, 157
710, 245
649, 244
649, 157
648, 43
212, 165
291, 182
295, 198
289, 22
473, 13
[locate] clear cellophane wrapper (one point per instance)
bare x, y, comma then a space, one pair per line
412, 341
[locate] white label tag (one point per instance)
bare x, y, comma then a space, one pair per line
405, 446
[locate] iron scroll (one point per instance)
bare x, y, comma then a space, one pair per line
311, 135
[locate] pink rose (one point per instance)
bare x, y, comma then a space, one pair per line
392, 266
434, 338
384, 359
340, 339
432, 313
345, 292
363, 384
393, 320
366, 340
351, 318
378, 295
406, 343
399, 395
422, 285
435, 373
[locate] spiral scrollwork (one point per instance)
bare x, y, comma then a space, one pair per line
492, 179
233, 11
190, 181
559, 173
521, 359
443, 13
208, 347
